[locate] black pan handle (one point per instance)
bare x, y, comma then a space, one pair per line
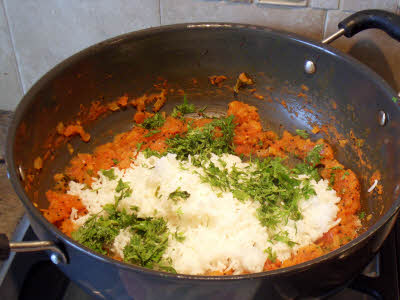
4, 247
57, 256
367, 19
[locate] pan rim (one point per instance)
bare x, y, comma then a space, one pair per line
34, 212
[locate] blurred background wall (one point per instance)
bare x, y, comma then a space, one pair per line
35, 35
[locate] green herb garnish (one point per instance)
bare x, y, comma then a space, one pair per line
183, 109
99, 232
337, 168
148, 153
139, 146
179, 212
267, 181
215, 137
148, 243
361, 215
152, 132
115, 161
306, 169
271, 254
178, 195
109, 174
155, 121
283, 237
157, 191
314, 156
179, 236
332, 179
302, 133
124, 190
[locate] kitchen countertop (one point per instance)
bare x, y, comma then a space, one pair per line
11, 209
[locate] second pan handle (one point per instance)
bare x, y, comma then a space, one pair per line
57, 255
367, 19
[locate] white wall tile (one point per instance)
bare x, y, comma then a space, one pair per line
10, 85
304, 21
47, 31
325, 4
373, 47
356, 5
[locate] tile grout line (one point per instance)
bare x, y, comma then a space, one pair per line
13, 48
325, 27
159, 10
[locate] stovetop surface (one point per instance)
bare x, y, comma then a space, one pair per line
33, 276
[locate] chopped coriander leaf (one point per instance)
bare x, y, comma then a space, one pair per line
260, 143
361, 215
115, 161
216, 177
152, 132
345, 174
156, 192
182, 167
222, 162
307, 190
178, 195
302, 133
90, 172
166, 265
98, 233
314, 156
240, 195
179, 212
283, 237
337, 168
109, 174
155, 121
332, 179
165, 268
271, 254
179, 236
121, 186
148, 243
205, 140
148, 153
139, 146
306, 170
183, 109
269, 182
124, 190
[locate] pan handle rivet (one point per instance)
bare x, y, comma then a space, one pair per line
382, 118
55, 258
309, 67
